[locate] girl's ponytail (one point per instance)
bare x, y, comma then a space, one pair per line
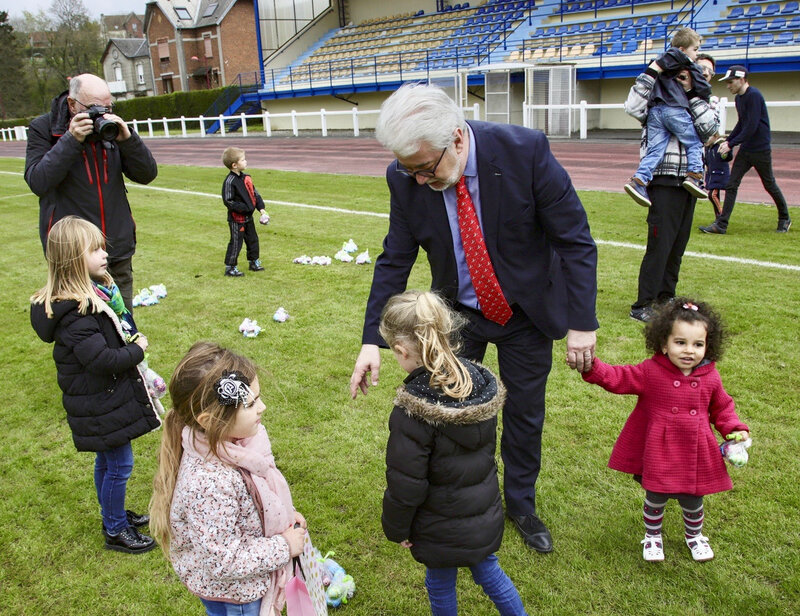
437, 326
424, 322
169, 460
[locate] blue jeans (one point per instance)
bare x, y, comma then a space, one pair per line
220, 608
663, 122
112, 468
441, 585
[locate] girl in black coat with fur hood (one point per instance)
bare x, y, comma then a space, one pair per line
104, 393
443, 498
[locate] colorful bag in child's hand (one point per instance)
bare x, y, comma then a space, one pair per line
298, 601
313, 572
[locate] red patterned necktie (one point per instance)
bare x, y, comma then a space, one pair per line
490, 296
248, 184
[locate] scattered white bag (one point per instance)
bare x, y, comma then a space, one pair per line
280, 315
363, 258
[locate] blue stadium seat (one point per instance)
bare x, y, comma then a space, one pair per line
736, 12
587, 27
740, 26
642, 21
656, 20
614, 37
771, 9
610, 3
709, 43
747, 41
670, 18
764, 39
776, 24
728, 41
793, 23
561, 30
630, 47
613, 24
753, 11
723, 28
783, 38
758, 24
743, 1
601, 25
615, 48
626, 23
790, 7
603, 49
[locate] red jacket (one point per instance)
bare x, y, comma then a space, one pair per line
667, 439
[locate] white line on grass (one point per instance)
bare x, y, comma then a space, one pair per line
698, 255
27, 194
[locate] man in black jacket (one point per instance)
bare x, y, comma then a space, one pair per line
74, 171
752, 135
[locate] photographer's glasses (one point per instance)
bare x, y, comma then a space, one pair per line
109, 109
423, 173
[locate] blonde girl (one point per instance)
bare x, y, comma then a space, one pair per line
442, 499
104, 394
221, 510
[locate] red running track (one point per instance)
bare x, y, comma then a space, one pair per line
592, 164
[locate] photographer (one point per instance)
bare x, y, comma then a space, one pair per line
75, 161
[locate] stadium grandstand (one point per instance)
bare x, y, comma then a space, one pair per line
505, 55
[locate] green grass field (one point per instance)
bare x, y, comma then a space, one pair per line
331, 449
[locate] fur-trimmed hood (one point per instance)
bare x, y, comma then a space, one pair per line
456, 418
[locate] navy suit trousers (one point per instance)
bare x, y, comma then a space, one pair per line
525, 356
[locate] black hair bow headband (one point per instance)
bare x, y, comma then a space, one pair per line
233, 389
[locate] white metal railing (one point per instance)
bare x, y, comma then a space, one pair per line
177, 127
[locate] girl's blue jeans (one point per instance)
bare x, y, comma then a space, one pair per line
220, 608
441, 585
112, 468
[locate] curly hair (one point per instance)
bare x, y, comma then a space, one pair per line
657, 331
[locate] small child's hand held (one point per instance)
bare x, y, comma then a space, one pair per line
738, 436
406, 543
294, 537
300, 519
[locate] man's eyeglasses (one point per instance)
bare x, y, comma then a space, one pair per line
108, 109
423, 173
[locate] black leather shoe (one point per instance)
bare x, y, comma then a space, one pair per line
534, 532
134, 519
130, 541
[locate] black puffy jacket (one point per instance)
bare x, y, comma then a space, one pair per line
442, 489
104, 393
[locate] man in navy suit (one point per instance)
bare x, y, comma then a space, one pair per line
539, 249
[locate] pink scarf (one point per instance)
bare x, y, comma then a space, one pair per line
272, 496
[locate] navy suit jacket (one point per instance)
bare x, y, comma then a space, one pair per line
535, 230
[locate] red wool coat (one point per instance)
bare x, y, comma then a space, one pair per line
667, 439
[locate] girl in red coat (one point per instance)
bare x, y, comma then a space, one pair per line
667, 442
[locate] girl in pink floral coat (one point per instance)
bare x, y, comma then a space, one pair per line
667, 442
221, 510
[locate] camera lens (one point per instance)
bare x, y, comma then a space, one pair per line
107, 129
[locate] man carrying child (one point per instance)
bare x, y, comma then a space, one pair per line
668, 115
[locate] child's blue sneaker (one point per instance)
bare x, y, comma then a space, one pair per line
638, 192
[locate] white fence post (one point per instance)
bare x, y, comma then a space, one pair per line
150, 127
583, 120
267, 124
202, 126
244, 125
476, 112
323, 122
3, 132
294, 122
355, 121
183, 126
135, 126
222, 125
166, 128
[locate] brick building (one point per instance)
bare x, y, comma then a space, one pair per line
200, 44
121, 26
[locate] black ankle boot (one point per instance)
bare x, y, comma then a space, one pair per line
130, 541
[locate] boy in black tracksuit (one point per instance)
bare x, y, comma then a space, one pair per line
242, 199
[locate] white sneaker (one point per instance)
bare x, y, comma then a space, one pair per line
653, 550
700, 549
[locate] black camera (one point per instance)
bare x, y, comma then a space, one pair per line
107, 130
